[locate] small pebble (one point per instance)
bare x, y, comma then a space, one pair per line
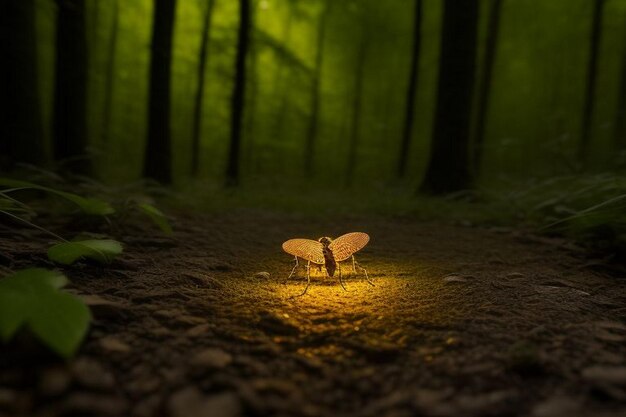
212, 358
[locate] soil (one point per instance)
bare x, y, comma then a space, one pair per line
462, 321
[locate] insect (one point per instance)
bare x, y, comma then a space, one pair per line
326, 252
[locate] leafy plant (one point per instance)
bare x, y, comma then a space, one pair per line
33, 298
589, 209
156, 216
88, 205
103, 251
17, 210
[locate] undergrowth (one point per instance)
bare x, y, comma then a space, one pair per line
33, 299
590, 209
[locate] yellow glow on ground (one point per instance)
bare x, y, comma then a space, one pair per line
329, 322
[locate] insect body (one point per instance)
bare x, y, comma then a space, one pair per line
326, 252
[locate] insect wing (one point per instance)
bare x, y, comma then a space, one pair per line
346, 245
308, 249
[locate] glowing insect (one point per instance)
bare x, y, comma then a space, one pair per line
326, 252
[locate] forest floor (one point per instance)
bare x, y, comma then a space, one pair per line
462, 321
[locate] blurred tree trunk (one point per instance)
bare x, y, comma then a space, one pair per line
357, 102
484, 94
197, 113
21, 127
70, 89
448, 166
409, 115
311, 135
280, 84
248, 121
158, 153
239, 93
93, 24
591, 79
619, 135
110, 73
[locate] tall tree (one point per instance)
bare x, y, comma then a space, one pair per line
591, 78
448, 166
619, 133
357, 104
239, 93
311, 134
70, 88
109, 84
197, 111
248, 121
21, 127
484, 93
280, 80
409, 115
158, 153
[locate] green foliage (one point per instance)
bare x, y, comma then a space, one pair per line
99, 207
156, 216
103, 251
11, 205
33, 298
87, 205
282, 53
588, 208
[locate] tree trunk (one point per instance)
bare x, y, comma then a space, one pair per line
21, 130
197, 114
484, 95
70, 90
591, 80
109, 84
158, 154
409, 115
448, 168
248, 121
280, 85
356, 109
239, 93
619, 135
311, 135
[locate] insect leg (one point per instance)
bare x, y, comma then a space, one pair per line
341, 277
293, 271
353, 265
308, 278
369, 281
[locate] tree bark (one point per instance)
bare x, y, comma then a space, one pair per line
591, 79
448, 167
311, 135
239, 94
356, 109
280, 87
409, 115
484, 95
21, 130
619, 135
109, 83
202, 64
158, 154
70, 89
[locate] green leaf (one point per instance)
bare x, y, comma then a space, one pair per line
32, 298
88, 205
61, 321
103, 251
156, 216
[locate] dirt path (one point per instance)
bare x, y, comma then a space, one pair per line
462, 322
